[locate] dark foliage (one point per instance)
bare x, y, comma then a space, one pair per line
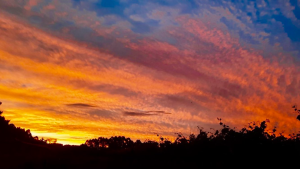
251, 146
297, 111
113, 143
11, 133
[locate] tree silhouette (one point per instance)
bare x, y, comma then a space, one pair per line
117, 142
225, 147
9, 132
297, 111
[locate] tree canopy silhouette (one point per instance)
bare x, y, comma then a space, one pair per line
10, 133
225, 147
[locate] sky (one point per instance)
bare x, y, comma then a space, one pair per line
81, 69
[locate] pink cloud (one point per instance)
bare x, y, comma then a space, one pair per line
49, 7
31, 3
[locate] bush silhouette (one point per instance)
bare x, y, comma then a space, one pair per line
250, 146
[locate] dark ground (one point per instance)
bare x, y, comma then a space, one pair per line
27, 156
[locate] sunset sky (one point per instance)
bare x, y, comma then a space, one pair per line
80, 69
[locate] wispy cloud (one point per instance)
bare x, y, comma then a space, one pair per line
80, 105
146, 113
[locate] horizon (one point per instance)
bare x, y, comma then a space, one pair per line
76, 70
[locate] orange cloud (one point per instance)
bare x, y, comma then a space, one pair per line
48, 82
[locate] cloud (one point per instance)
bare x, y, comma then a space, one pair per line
136, 18
80, 105
31, 3
146, 113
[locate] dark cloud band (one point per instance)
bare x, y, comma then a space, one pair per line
80, 105
146, 113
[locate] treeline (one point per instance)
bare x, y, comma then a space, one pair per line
10, 133
251, 146
254, 134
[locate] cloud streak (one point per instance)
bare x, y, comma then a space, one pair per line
147, 113
80, 105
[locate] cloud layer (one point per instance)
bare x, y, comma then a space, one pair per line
75, 70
